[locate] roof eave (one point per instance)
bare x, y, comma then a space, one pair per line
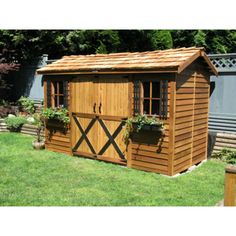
200, 53
169, 70
210, 64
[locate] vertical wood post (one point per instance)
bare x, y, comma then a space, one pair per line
45, 106
70, 97
172, 127
230, 186
208, 106
130, 113
193, 117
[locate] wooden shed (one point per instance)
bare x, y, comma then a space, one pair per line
101, 91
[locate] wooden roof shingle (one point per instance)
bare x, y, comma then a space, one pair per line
171, 60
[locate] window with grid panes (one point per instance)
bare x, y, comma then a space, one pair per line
150, 97
57, 93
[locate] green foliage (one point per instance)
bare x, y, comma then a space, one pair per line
161, 39
226, 155
183, 38
200, 39
140, 121
27, 104
28, 44
14, 123
92, 41
60, 114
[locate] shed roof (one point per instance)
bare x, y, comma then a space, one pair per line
171, 60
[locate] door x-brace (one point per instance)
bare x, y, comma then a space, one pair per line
111, 138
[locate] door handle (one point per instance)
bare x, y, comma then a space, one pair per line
94, 107
99, 108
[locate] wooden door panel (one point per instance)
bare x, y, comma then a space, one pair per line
111, 151
98, 133
83, 99
84, 94
113, 96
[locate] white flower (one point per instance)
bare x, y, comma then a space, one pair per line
11, 115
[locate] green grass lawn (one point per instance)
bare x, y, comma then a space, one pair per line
43, 178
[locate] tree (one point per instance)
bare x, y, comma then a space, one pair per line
200, 39
160, 39
7, 64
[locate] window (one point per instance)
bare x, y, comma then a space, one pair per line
150, 97
57, 93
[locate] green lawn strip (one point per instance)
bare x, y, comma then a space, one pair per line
43, 178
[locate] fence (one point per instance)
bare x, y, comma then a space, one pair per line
222, 117
230, 186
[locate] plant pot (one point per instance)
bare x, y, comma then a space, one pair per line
38, 145
56, 123
147, 127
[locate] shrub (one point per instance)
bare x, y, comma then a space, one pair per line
14, 123
227, 155
27, 104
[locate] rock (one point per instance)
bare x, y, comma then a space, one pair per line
11, 115
192, 168
30, 120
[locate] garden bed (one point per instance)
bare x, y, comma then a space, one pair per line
25, 129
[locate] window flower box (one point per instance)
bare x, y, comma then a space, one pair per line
148, 127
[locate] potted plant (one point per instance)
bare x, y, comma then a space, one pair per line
58, 114
39, 143
142, 122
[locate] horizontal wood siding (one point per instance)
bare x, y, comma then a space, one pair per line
192, 101
150, 149
201, 107
57, 137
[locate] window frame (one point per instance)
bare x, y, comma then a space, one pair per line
54, 95
139, 97
150, 98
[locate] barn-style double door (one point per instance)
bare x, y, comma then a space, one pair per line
99, 107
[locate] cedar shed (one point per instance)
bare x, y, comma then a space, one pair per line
100, 91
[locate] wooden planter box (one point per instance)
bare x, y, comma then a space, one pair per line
54, 123
146, 127
230, 186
